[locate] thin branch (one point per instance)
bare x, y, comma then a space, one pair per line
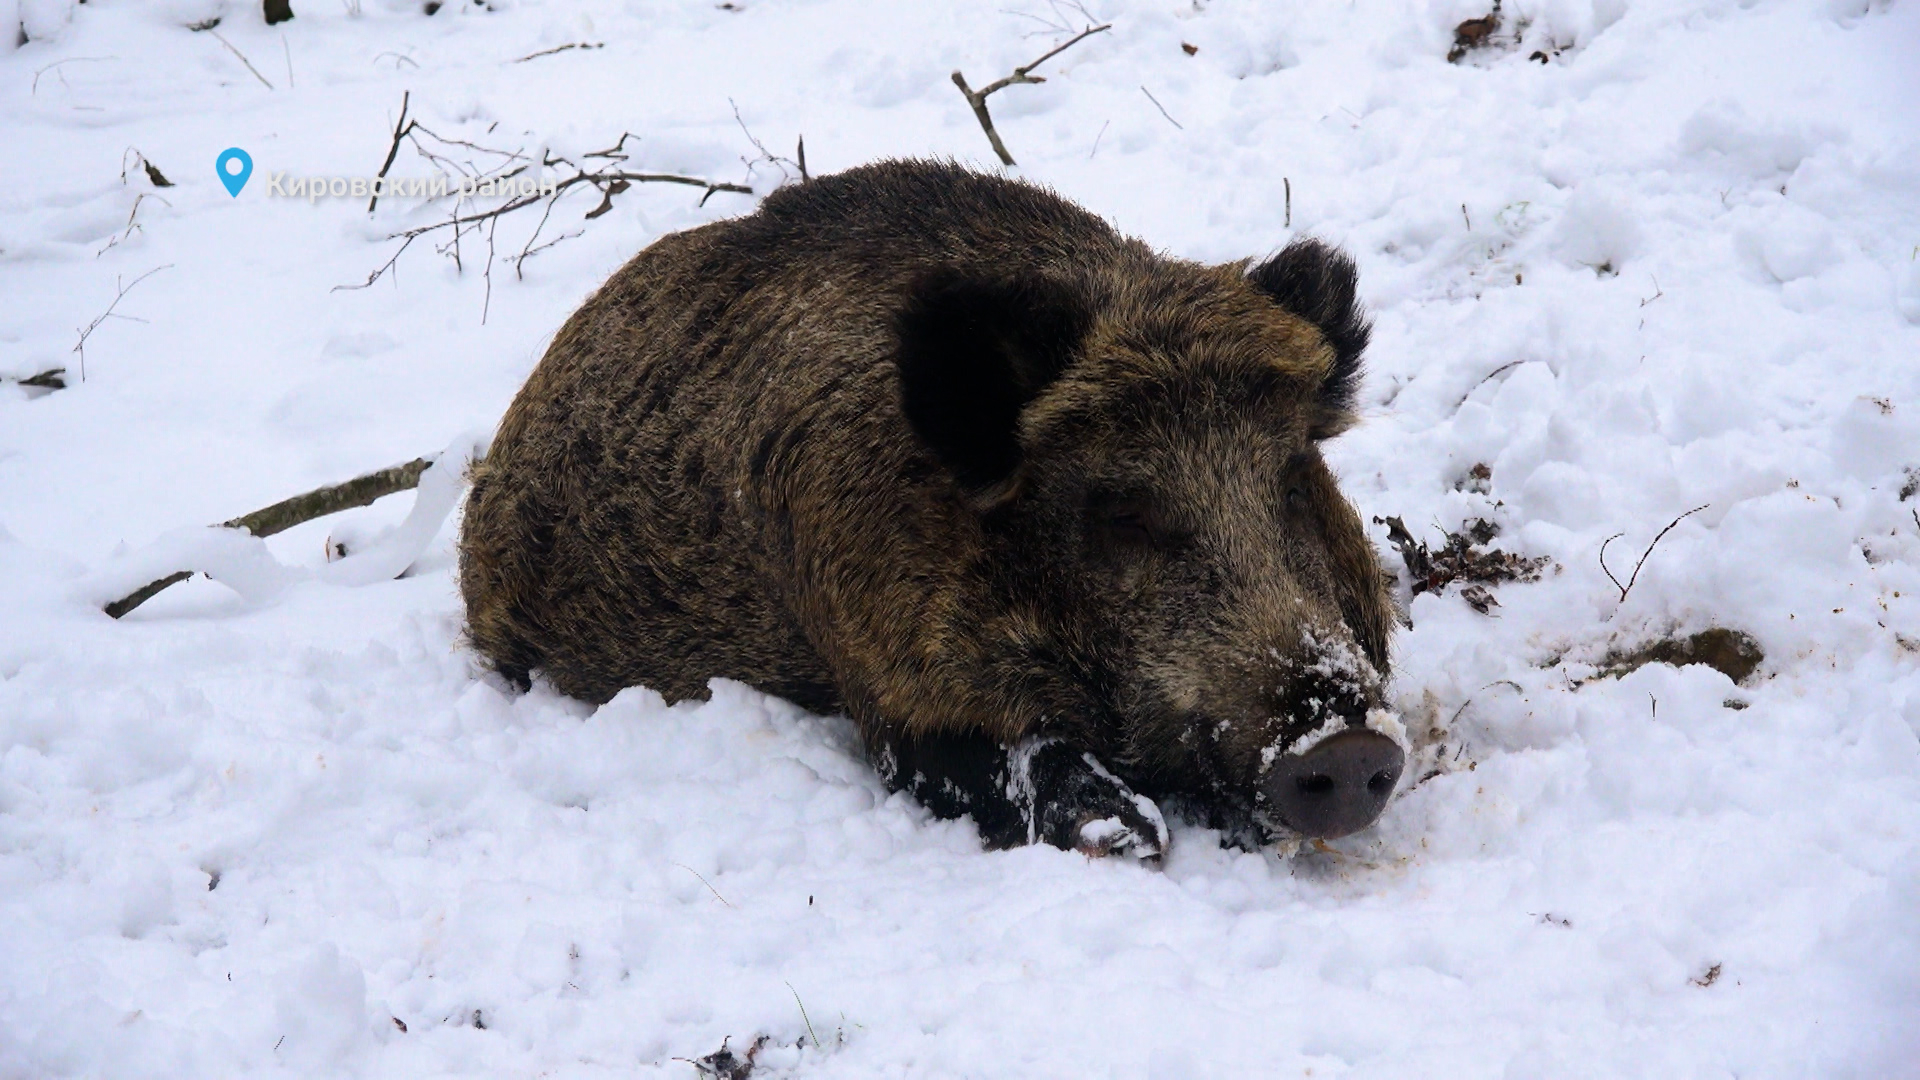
1096, 139
400, 130
131, 225
1635, 576
81, 345
704, 881
459, 222
1162, 108
287, 51
767, 155
243, 59
285, 514
529, 252
1485, 379
61, 75
560, 49
528, 248
977, 99
486, 305
608, 181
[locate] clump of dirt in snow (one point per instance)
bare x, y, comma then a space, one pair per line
1730, 652
1473, 34
724, 1064
1464, 558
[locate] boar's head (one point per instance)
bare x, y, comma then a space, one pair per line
1141, 443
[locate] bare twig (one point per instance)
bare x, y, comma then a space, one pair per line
977, 99
58, 64
1101, 134
81, 345
243, 59
1635, 576
486, 304
287, 51
1162, 108
1485, 379
800, 152
1657, 292
154, 175
767, 155
609, 180
560, 49
1287, 184
602, 180
704, 881
285, 514
400, 129
1466, 217
131, 226
535, 249
398, 59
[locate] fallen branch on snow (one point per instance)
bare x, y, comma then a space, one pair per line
1628, 587
285, 514
608, 179
978, 98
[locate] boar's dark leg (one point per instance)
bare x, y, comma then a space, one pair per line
1042, 789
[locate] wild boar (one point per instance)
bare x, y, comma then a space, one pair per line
1043, 511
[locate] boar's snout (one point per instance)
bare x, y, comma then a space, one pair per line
1339, 786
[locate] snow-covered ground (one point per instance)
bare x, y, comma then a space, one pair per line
1672, 260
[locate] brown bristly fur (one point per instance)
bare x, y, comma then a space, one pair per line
946, 452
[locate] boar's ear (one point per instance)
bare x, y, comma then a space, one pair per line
1318, 283
974, 350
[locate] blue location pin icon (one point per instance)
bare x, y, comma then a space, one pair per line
234, 166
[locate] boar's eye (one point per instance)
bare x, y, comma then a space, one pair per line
1131, 525
1296, 499
1128, 523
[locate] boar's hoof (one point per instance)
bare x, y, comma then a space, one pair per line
1339, 786
1073, 803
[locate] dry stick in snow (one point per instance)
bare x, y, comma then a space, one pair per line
1162, 108
704, 881
400, 129
58, 64
559, 49
243, 59
608, 182
81, 345
766, 155
1628, 587
287, 513
978, 98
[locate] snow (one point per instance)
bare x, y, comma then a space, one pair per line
256, 827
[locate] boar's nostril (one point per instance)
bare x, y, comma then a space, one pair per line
1338, 786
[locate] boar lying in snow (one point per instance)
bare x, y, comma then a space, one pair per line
1041, 510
